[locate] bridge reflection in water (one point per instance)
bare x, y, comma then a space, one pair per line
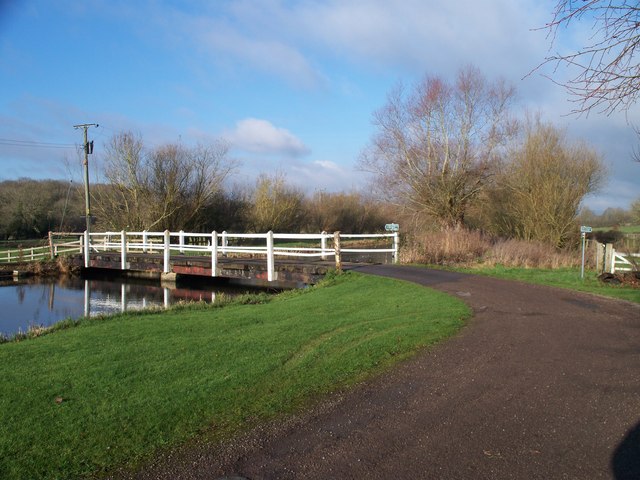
43, 302
100, 298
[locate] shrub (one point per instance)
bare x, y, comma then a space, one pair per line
460, 246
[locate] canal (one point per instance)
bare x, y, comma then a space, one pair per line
41, 302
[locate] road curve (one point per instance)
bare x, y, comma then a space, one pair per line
543, 383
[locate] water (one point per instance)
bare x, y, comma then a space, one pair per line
43, 302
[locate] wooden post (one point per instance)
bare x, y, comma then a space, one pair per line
51, 252
609, 258
181, 241
214, 253
145, 239
599, 257
270, 259
336, 247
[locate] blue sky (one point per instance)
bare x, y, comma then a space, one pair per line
290, 84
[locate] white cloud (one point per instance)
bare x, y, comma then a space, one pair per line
263, 53
260, 136
329, 165
413, 34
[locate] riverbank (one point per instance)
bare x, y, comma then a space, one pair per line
48, 268
111, 393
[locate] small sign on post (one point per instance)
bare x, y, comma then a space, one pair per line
392, 227
583, 233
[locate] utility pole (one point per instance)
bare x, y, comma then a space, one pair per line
88, 149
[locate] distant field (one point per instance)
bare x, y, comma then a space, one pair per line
623, 229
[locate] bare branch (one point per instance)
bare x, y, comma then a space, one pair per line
608, 74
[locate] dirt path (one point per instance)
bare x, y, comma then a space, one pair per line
543, 383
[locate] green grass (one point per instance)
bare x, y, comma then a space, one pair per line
562, 277
85, 400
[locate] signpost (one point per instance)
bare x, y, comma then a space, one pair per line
583, 231
392, 227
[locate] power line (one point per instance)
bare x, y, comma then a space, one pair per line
31, 143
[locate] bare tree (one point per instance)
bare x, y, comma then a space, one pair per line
539, 193
436, 146
275, 205
608, 74
165, 188
352, 212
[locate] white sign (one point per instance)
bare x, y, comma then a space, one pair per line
585, 229
392, 227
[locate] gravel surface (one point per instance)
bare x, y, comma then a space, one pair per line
542, 384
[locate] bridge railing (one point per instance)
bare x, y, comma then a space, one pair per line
323, 246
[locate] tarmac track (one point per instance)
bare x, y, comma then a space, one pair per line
542, 384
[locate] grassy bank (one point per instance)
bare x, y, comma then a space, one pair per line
85, 400
561, 277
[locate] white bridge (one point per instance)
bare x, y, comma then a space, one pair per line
208, 253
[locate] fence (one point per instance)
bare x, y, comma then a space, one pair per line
44, 252
322, 246
611, 261
623, 263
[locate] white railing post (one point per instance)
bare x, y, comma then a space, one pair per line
225, 243
214, 253
123, 250
86, 249
167, 251
396, 247
145, 239
270, 259
181, 234
323, 245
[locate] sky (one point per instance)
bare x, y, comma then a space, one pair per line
290, 85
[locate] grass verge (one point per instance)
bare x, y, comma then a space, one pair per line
105, 394
568, 278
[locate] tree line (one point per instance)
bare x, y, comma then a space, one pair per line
29, 209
